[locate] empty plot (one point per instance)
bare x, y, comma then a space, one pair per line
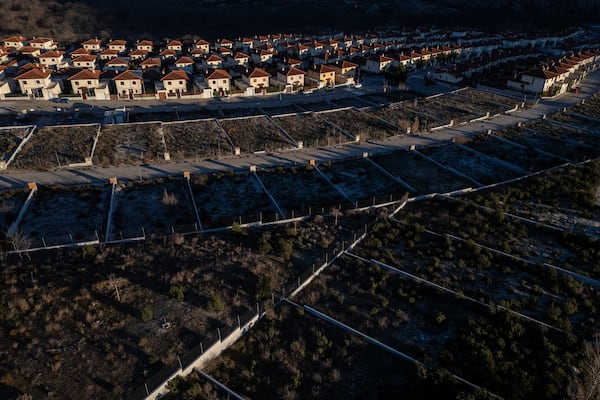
255, 134
311, 130
157, 207
11, 202
283, 110
579, 122
568, 136
164, 116
57, 212
300, 188
421, 174
129, 144
360, 179
401, 117
476, 106
198, 139
550, 143
320, 106
57, 147
295, 355
222, 199
487, 98
445, 108
473, 165
528, 159
352, 102
10, 138
358, 123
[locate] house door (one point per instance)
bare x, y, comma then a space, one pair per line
84, 95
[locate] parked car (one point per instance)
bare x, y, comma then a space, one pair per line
60, 100
576, 89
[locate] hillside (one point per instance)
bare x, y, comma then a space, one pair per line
69, 19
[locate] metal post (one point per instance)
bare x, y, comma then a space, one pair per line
180, 365
201, 348
219, 332
239, 323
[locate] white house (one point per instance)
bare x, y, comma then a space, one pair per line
128, 84
378, 64
92, 45
117, 64
37, 84
145, 45
88, 61
219, 81
52, 59
202, 45
43, 43
175, 82
292, 78
16, 41
87, 84
258, 78
119, 45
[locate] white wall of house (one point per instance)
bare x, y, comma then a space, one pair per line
125, 87
175, 85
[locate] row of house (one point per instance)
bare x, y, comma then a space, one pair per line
101, 69
556, 76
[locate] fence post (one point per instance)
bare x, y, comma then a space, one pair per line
179, 360
219, 332
313, 268
71, 237
260, 215
239, 323
146, 386
44, 242
201, 348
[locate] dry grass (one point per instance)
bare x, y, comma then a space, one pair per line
51, 146
129, 144
254, 134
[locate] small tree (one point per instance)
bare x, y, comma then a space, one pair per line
177, 292
146, 314
586, 382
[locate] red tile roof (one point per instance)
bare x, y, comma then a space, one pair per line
51, 54
294, 71
92, 42
151, 61
85, 58
185, 60
127, 76
219, 74
239, 55
80, 52
85, 74
259, 73
16, 38
175, 75
35, 73
41, 40
214, 57
117, 61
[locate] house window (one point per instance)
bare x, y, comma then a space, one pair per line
89, 82
134, 83
76, 83
24, 82
214, 82
122, 83
224, 80
169, 83
37, 82
264, 79
181, 82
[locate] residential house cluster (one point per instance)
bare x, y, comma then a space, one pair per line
119, 69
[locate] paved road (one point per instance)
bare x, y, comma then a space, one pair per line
96, 175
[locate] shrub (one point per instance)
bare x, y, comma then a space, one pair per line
146, 314
177, 292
